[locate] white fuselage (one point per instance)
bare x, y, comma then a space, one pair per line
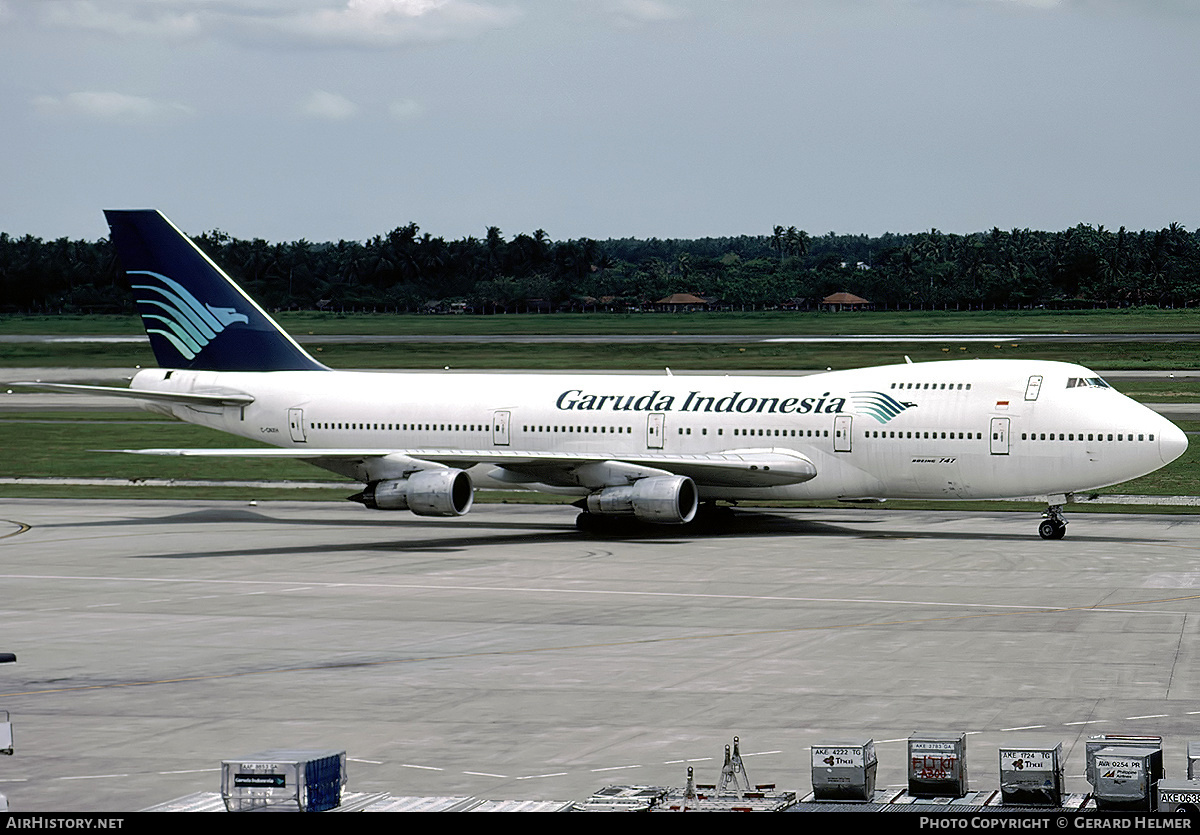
941, 430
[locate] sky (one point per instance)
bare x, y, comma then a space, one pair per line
344, 119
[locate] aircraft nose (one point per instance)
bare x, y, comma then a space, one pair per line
1172, 443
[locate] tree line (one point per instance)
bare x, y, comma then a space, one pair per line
407, 270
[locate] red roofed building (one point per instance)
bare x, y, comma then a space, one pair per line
682, 301
845, 301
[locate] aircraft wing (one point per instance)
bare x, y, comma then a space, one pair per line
182, 398
733, 468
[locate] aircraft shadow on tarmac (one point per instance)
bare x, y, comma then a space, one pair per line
452, 536
231, 516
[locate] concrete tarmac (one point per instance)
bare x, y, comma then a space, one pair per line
503, 655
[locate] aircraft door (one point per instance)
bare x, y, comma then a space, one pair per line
842, 427
655, 427
1000, 436
1033, 387
296, 425
500, 422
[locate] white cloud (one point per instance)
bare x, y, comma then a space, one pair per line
320, 22
125, 17
1038, 4
331, 106
390, 22
109, 106
646, 11
405, 110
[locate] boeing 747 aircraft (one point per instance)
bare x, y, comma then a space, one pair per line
655, 448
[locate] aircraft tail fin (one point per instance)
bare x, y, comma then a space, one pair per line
196, 316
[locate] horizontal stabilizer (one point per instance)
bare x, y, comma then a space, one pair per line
181, 398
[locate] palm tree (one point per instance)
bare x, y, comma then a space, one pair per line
777, 241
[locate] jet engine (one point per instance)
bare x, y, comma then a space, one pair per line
439, 492
668, 500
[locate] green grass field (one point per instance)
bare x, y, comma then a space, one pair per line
1130, 320
712, 357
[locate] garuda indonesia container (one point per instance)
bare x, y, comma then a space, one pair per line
937, 764
312, 780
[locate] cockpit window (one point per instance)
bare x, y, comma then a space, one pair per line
1086, 382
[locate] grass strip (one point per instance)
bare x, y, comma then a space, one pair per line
627, 357
764, 322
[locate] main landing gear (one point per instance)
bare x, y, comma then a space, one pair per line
1053, 525
709, 517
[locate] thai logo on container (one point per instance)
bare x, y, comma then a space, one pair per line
187, 324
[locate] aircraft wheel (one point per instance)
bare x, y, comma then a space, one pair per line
710, 516
1050, 529
586, 522
598, 524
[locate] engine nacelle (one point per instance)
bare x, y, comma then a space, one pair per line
440, 492
668, 500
